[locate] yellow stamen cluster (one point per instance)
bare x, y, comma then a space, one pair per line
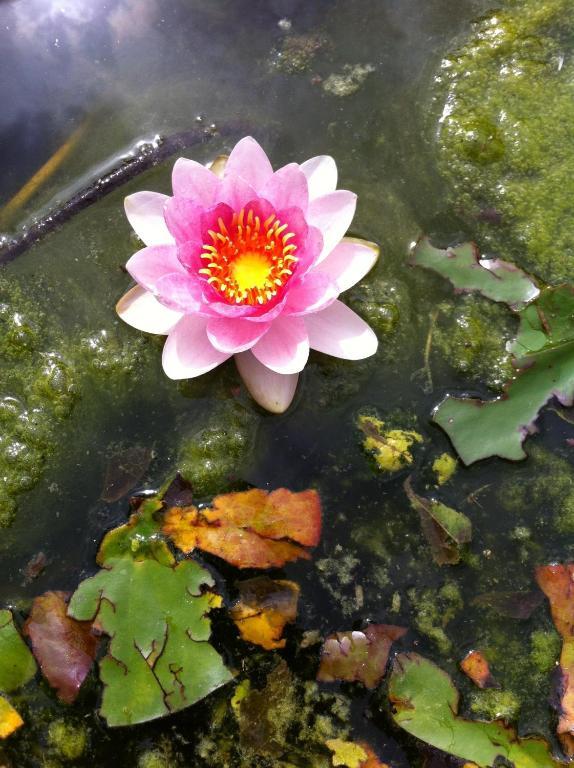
250, 260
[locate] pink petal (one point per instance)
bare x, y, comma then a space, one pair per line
188, 352
321, 173
183, 218
315, 292
150, 264
140, 309
193, 180
145, 213
248, 160
285, 346
338, 331
287, 188
236, 192
332, 214
234, 335
181, 292
349, 262
273, 391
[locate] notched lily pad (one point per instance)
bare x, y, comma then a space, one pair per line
140, 538
17, 665
264, 608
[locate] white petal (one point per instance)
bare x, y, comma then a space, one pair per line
145, 213
188, 352
349, 262
273, 391
140, 309
338, 331
321, 173
285, 347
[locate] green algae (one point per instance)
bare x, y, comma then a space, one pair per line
68, 741
504, 140
492, 704
433, 612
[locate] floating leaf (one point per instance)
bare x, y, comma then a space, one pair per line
514, 605
17, 665
358, 655
497, 280
425, 704
123, 472
445, 529
557, 583
544, 358
353, 755
251, 529
140, 538
10, 720
265, 606
64, 648
391, 448
476, 667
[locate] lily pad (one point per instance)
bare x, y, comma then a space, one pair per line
10, 720
496, 279
425, 704
17, 665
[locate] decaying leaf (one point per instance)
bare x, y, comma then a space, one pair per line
391, 448
445, 529
10, 720
476, 667
557, 583
358, 655
496, 279
425, 704
352, 754
265, 606
17, 665
444, 467
250, 529
514, 605
64, 648
124, 470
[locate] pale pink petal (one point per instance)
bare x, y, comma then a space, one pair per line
248, 160
273, 391
140, 309
181, 292
152, 263
234, 335
287, 188
188, 352
183, 218
315, 292
193, 180
285, 346
349, 262
321, 173
236, 192
145, 213
338, 331
332, 214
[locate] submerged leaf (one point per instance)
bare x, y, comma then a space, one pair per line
251, 529
445, 529
265, 606
390, 447
496, 279
65, 648
352, 754
476, 667
10, 720
425, 704
358, 655
123, 472
17, 665
544, 358
514, 605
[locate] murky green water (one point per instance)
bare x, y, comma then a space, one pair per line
282, 71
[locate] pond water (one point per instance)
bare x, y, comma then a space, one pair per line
364, 81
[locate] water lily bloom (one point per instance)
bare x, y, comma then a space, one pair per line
248, 262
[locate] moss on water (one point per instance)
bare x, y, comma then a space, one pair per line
492, 704
68, 741
505, 134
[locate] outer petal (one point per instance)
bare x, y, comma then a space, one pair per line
145, 213
140, 309
152, 263
313, 294
193, 180
332, 214
180, 291
287, 188
188, 352
248, 160
285, 346
273, 391
236, 335
338, 331
321, 173
349, 262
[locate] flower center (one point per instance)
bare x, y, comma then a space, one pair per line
249, 260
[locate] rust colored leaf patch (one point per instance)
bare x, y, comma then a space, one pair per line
65, 648
557, 583
476, 667
265, 606
250, 529
358, 656
10, 720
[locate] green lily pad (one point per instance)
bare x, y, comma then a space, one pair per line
496, 279
17, 665
425, 704
544, 359
140, 538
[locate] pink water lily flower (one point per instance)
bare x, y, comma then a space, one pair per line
249, 262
